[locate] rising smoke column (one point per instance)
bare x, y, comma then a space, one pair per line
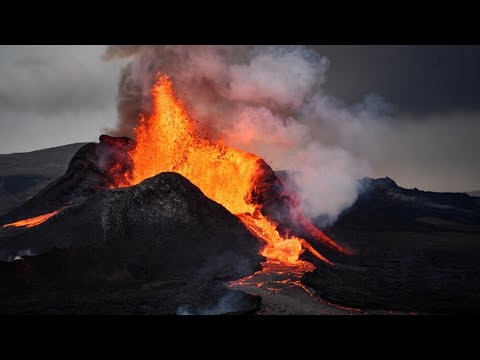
267, 100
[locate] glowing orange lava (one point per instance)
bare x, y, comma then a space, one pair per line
33, 221
167, 141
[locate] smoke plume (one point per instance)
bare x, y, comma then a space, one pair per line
230, 302
267, 100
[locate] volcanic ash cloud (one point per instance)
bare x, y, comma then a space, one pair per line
267, 100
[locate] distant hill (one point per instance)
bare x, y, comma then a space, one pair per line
24, 174
474, 193
382, 205
413, 250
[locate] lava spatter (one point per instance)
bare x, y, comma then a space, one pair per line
34, 221
167, 140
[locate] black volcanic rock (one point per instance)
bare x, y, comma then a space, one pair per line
89, 171
162, 235
382, 205
413, 250
22, 175
99, 166
97, 220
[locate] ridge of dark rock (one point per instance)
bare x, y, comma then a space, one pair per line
163, 230
87, 174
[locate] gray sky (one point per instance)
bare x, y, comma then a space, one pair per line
55, 95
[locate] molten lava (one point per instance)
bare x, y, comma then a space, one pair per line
33, 221
284, 249
167, 140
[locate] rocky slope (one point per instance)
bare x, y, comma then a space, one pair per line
413, 251
22, 175
160, 247
162, 233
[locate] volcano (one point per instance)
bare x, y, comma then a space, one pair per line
160, 234
146, 205
173, 221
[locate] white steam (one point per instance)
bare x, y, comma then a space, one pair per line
230, 302
267, 100
19, 255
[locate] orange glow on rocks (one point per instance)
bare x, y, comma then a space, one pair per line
167, 140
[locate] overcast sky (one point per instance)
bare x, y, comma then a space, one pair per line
55, 95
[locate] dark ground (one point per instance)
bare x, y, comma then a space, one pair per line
160, 247
414, 251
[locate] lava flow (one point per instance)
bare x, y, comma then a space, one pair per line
37, 220
167, 140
